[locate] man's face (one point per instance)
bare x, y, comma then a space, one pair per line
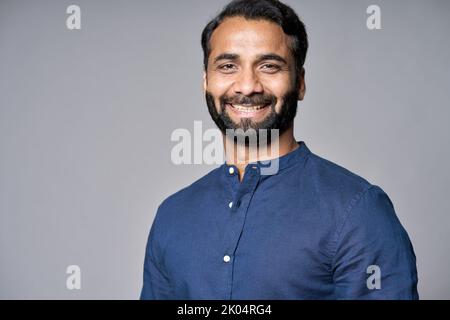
251, 76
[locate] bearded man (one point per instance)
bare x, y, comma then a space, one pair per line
309, 230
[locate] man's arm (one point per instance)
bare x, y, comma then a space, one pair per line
156, 284
374, 258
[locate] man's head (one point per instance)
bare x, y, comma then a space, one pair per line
254, 52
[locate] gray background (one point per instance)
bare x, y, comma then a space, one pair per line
86, 118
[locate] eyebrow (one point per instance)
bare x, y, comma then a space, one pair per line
226, 56
271, 56
259, 58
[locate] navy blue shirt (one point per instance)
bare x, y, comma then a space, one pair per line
313, 230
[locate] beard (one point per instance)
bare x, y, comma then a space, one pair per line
273, 121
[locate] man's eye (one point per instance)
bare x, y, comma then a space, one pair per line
270, 67
227, 67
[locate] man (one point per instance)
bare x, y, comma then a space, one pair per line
311, 230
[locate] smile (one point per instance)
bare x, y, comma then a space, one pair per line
247, 110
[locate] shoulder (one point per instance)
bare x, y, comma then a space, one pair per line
358, 204
343, 193
334, 183
196, 189
179, 201
359, 210
336, 178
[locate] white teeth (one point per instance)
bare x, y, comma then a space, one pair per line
245, 108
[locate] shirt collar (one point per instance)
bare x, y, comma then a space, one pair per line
288, 160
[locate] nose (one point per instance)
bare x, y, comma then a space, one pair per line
247, 83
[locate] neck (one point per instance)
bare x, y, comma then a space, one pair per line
240, 156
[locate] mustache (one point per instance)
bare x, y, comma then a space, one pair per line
259, 99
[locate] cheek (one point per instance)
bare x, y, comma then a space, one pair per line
277, 87
219, 85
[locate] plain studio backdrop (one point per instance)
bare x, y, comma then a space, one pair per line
86, 118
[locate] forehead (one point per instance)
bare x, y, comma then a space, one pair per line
246, 37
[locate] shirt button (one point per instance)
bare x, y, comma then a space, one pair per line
226, 258
230, 204
231, 170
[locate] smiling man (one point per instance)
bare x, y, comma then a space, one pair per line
311, 230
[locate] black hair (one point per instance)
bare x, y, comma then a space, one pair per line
271, 10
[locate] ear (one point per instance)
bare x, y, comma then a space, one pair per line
204, 82
302, 85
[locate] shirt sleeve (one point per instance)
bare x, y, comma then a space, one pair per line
156, 283
374, 258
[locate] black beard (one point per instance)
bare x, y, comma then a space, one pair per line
281, 121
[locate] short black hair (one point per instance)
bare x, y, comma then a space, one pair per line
271, 10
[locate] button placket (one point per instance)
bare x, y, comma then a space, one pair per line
238, 207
